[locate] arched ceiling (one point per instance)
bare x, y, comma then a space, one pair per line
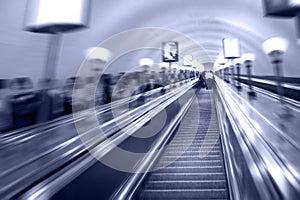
205, 21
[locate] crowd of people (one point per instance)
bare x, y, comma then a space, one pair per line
22, 104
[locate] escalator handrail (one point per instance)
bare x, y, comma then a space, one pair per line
286, 80
10, 137
266, 84
135, 114
257, 158
232, 182
102, 146
69, 118
294, 103
229, 164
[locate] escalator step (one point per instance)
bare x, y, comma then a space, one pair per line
197, 144
188, 176
193, 148
192, 169
193, 163
191, 137
193, 152
190, 159
184, 194
186, 184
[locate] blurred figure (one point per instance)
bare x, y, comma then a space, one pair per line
197, 74
209, 78
125, 86
106, 83
172, 75
154, 80
77, 90
6, 121
144, 81
57, 99
164, 78
143, 86
68, 87
119, 76
134, 88
23, 101
51, 98
44, 110
102, 86
118, 79
186, 75
202, 81
98, 57
181, 75
90, 91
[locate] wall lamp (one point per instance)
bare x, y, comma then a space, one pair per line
238, 62
248, 59
276, 47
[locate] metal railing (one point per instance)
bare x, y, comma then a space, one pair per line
266, 174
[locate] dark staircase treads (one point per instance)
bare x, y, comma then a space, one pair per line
190, 176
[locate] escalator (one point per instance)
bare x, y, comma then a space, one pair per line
191, 176
61, 167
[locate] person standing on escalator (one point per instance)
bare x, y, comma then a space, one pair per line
202, 81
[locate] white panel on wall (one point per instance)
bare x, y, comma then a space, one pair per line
56, 15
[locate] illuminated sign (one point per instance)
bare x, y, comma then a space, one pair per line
231, 48
170, 51
56, 15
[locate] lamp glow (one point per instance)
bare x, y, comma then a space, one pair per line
275, 48
98, 53
275, 44
163, 65
248, 57
238, 61
146, 62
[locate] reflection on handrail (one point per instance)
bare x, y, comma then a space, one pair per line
286, 100
291, 91
271, 172
227, 148
35, 130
